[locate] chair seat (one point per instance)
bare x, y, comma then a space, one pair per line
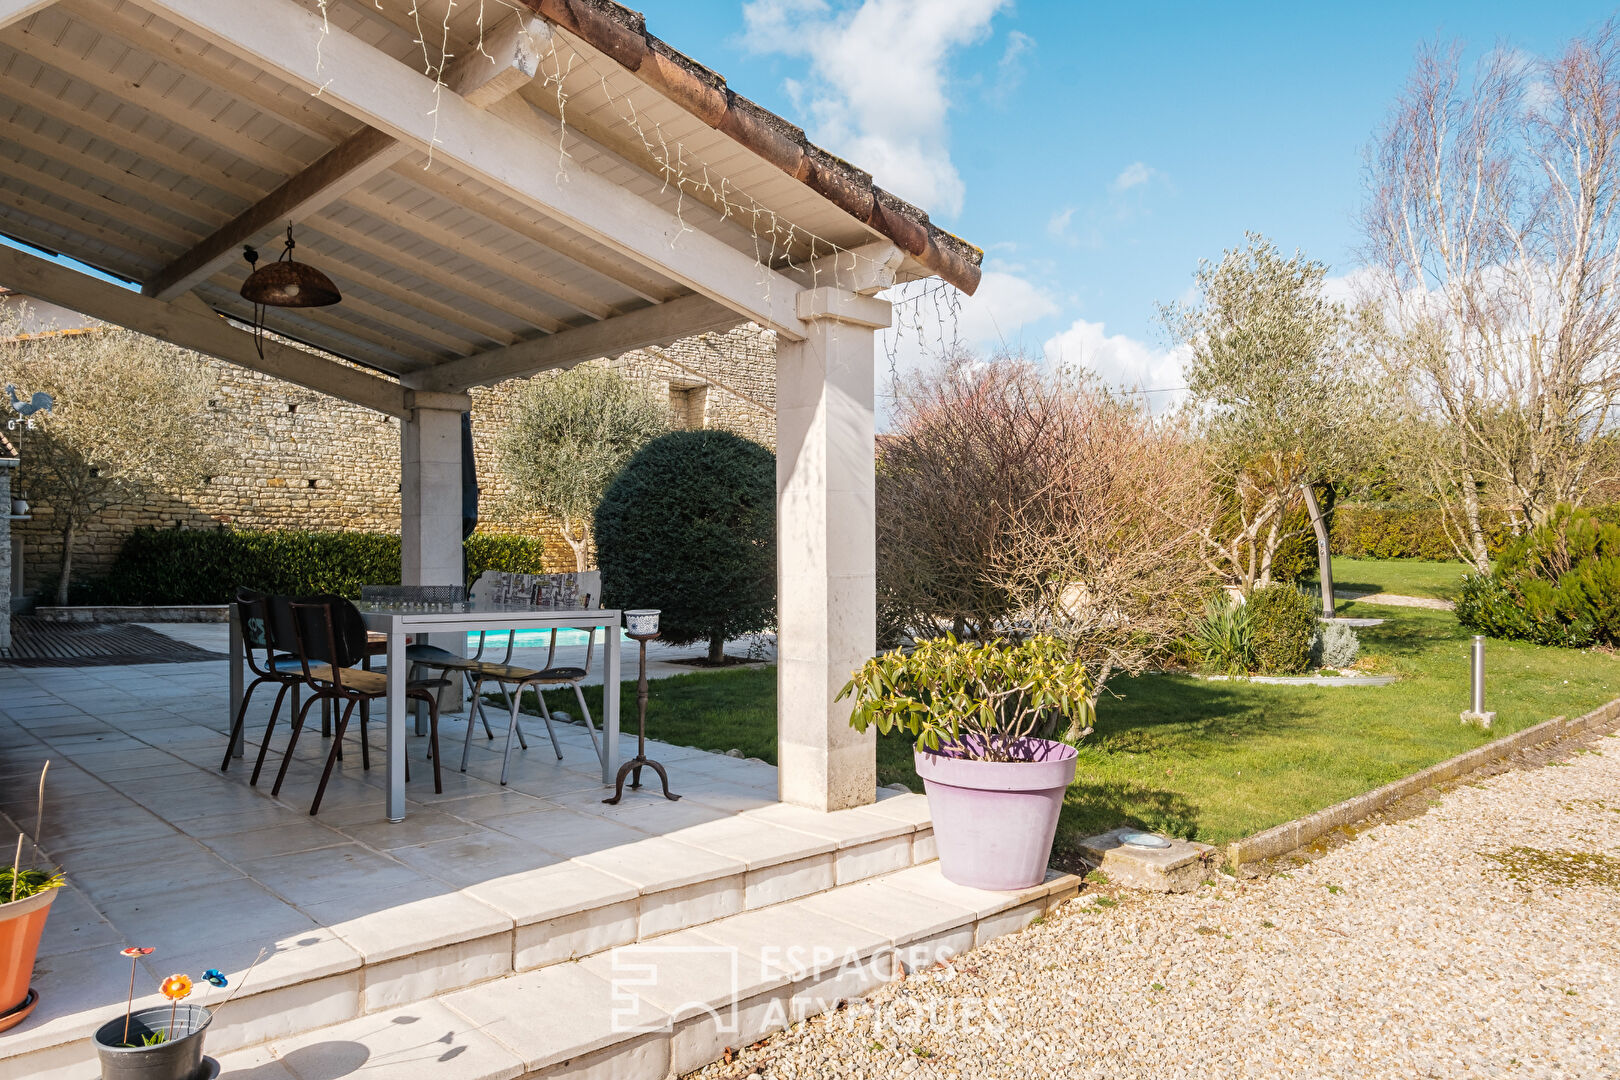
511, 673
286, 663
374, 683
433, 656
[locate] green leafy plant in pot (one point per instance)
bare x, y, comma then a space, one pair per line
982, 714
25, 903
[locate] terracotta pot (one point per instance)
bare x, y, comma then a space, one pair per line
21, 923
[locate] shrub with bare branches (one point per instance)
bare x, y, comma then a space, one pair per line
1011, 500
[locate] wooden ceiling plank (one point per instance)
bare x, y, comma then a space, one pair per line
432, 231
343, 272
192, 329
75, 221
155, 102
375, 87
101, 204
433, 272
87, 162
339, 171
120, 135
616, 269
125, 26
657, 325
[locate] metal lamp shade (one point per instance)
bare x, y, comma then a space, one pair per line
290, 284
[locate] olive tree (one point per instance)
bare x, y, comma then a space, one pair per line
1276, 391
569, 434
130, 420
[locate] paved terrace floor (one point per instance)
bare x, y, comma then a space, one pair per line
161, 849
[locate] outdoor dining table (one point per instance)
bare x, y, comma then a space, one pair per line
398, 621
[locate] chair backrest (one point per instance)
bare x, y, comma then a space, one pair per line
543, 590
252, 615
281, 628
330, 630
413, 594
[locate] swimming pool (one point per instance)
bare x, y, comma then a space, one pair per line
535, 639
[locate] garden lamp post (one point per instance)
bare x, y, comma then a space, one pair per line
1476, 713
642, 626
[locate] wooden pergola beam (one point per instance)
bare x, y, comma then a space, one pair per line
294, 43
192, 326
361, 156
657, 325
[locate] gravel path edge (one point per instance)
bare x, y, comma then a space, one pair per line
1291, 835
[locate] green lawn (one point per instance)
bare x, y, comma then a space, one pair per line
1219, 760
1405, 577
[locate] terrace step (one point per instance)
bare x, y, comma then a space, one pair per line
373, 952
666, 1006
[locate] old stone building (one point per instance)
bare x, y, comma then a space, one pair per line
295, 459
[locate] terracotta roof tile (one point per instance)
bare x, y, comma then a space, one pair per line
622, 34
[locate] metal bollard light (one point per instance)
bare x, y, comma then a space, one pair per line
1476, 713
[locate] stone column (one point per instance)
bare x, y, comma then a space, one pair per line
430, 505
826, 547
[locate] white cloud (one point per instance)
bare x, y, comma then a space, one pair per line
877, 87
1058, 224
1119, 361
1133, 175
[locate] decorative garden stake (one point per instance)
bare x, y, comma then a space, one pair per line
134, 953
175, 988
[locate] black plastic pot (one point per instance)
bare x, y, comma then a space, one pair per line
179, 1057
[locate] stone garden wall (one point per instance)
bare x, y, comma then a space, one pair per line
301, 460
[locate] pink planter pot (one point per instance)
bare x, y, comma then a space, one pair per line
993, 820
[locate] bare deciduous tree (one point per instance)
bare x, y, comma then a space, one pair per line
1491, 233
1012, 500
130, 418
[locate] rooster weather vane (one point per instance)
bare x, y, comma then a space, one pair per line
40, 402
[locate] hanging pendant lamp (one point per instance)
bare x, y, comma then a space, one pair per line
284, 283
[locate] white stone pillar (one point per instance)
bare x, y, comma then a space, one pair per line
826, 547
430, 506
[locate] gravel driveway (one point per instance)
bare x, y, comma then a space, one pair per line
1479, 939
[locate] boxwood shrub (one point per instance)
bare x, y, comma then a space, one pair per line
206, 566
1282, 626
1558, 584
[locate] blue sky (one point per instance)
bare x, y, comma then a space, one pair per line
1098, 151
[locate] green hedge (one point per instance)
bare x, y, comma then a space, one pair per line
206, 566
1361, 531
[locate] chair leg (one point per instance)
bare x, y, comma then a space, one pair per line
506, 755
326, 720
331, 758
292, 741
236, 725
545, 714
478, 701
506, 695
269, 729
433, 741
365, 738
478, 704
590, 725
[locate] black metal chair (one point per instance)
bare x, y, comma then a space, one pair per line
276, 665
331, 641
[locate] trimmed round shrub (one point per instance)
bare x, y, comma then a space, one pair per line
689, 527
1282, 625
1558, 584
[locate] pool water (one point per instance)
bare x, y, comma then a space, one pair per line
535, 639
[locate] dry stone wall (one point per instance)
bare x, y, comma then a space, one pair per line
301, 460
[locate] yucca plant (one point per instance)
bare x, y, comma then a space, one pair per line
1222, 640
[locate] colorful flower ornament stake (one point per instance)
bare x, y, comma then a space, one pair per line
174, 988
134, 953
213, 977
